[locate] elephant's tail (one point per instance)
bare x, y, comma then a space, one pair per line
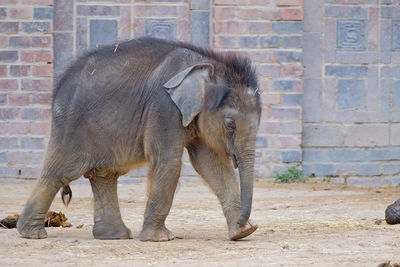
66, 194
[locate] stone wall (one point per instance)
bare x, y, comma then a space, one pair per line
26, 71
332, 109
352, 90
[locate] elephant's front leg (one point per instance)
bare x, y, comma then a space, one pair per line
108, 223
162, 181
218, 173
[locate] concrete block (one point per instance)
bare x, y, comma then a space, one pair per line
346, 71
368, 135
287, 27
287, 85
43, 13
346, 155
323, 136
313, 155
324, 169
271, 41
369, 169
200, 28
351, 94
292, 42
312, 100
385, 154
291, 156
97, 30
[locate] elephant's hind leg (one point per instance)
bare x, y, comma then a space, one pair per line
108, 223
55, 174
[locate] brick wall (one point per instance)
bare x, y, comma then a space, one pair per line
351, 90
270, 33
329, 82
26, 72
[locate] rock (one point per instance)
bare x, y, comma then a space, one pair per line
392, 213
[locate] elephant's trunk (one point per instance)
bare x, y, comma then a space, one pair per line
246, 173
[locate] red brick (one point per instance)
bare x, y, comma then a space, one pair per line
3, 127
286, 113
8, 2
20, 41
261, 55
32, 142
264, 83
18, 70
293, 14
270, 99
19, 157
285, 141
8, 142
3, 41
248, 13
271, 14
3, 70
125, 23
289, 2
37, 85
292, 70
39, 2
18, 99
155, 11
43, 71
221, 12
8, 27
224, 42
8, 114
42, 41
36, 114
259, 2
36, 56
258, 27
269, 127
43, 98
20, 13
227, 27
29, 172
8, 84
225, 2
19, 127
3, 100
40, 127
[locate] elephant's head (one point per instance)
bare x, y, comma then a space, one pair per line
223, 96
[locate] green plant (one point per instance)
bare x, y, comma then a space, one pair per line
326, 179
292, 175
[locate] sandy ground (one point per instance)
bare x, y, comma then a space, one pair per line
316, 224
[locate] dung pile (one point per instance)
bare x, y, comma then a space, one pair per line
52, 219
9, 221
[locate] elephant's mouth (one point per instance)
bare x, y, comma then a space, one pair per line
234, 161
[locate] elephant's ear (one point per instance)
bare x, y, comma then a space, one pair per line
187, 90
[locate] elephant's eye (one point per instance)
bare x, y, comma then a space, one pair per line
230, 124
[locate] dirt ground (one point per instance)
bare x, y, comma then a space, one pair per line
315, 224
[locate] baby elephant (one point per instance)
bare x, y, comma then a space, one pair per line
144, 101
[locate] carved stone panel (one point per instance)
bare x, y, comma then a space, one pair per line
162, 29
351, 34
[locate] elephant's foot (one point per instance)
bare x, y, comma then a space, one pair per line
237, 232
33, 229
156, 234
107, 231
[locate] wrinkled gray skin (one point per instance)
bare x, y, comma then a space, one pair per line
144, 102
